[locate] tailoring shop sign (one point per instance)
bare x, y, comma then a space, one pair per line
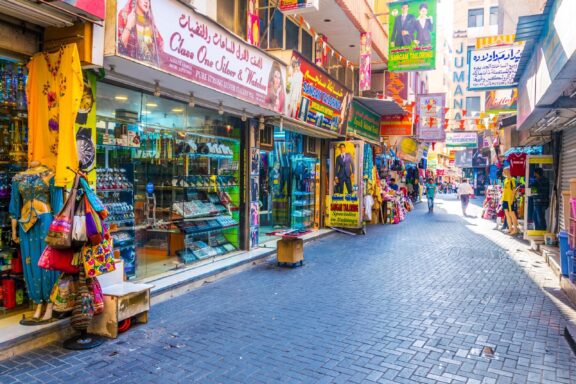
492, 68
430, 110
344, 211
362, 122
175, 39
462, 139
316, 98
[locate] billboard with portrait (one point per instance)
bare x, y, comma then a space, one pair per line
463, 158
345, 200
412, 31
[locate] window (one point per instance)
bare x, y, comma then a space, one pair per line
232, 15
307, 45
473, 104
493, 15
276, 31
292, 32
475, 17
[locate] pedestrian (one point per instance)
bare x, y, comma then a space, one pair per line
430, 194
393, 184
464, 192
541, 199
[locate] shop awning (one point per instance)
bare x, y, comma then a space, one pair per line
358, 137
383, 107
302, 127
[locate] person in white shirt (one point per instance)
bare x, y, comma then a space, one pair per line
464, 192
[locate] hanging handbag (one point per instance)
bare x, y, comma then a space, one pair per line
54, 259
83, 311
79, 223
63, 294
94, 200
97, 295
94, 227
99, 259
60, 231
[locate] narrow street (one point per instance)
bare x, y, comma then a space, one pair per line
410, 303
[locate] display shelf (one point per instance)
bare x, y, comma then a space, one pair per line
115, 190
207, 230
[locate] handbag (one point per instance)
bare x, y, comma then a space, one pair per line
63, 294
94, 227
79, 223
54, 259
99, 259
60, 231
93, 199
97, 296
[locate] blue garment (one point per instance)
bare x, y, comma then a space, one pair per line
33, 199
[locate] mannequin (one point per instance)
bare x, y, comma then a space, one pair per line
33, 201
508, 193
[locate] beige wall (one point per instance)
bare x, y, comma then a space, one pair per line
511, 10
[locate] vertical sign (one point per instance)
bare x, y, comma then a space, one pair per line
430, 112
253, 21
396, 86
345, 197
412, 31
321, 47
365, 61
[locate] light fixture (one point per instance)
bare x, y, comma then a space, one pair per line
151, 105
352, 45
178, 110
327, 20
191, 100
156, 88
244, 117
220, 108
121, 97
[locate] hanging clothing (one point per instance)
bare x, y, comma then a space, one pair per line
517, 164
54, 90
32, 202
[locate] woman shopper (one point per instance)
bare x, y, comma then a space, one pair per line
430, 194
464, 192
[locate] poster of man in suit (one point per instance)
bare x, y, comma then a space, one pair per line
344, 169
346, 202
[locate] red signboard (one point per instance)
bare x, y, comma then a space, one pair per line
96, 8
396, 125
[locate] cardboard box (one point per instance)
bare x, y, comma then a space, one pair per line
290, 250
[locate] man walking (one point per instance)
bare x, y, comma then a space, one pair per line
430, 194
464, 192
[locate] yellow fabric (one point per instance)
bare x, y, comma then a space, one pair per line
508, 190
54, 90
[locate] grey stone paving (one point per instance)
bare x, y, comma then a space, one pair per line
408, 303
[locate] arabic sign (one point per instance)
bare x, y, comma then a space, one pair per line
501, 100
179, 41
365, 70
412, 31
462, 139
396, 125
491, 68
314, 97
396, 86
363, 122
290, 7
430, 112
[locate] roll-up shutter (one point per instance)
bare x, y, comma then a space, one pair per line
567, 164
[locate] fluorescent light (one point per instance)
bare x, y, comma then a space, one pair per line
178, 110
146, 112
151, 105
121, 97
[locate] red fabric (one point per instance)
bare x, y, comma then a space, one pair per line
517, 164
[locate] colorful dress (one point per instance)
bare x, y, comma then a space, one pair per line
54, 90
33, 200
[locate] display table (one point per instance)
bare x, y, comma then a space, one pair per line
290, 249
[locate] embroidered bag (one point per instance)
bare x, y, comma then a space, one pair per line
97, 295
99, 259
63, 294
55, 259
60, 231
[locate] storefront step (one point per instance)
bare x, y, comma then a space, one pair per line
17, 339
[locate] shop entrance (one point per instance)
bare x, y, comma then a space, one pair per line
287, 185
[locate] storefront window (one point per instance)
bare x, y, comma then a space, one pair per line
288, 178
169, 175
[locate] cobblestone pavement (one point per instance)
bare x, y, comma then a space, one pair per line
410, 303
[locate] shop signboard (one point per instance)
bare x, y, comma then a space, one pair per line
95, 8
463, 158
492, 68
412, 31
478, 159
363, 123
396, 125
290, 7
396, 86
253, 23
314, 97
189, 45
345, 198
365, 70
501, 100
465, 139
431, 112
405, 148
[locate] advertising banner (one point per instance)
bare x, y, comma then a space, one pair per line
290, 7
345, 201
175, 39
396, 125
412, 31
406, 148
478, 159
464, 158
430, 111
253, 23
363, 122
314, 97
396, 86
492, 68
462, 139
365, 61
501, 100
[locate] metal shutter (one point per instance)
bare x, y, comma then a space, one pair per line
567, 164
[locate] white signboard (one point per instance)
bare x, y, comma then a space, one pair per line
461, 139
492, 68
